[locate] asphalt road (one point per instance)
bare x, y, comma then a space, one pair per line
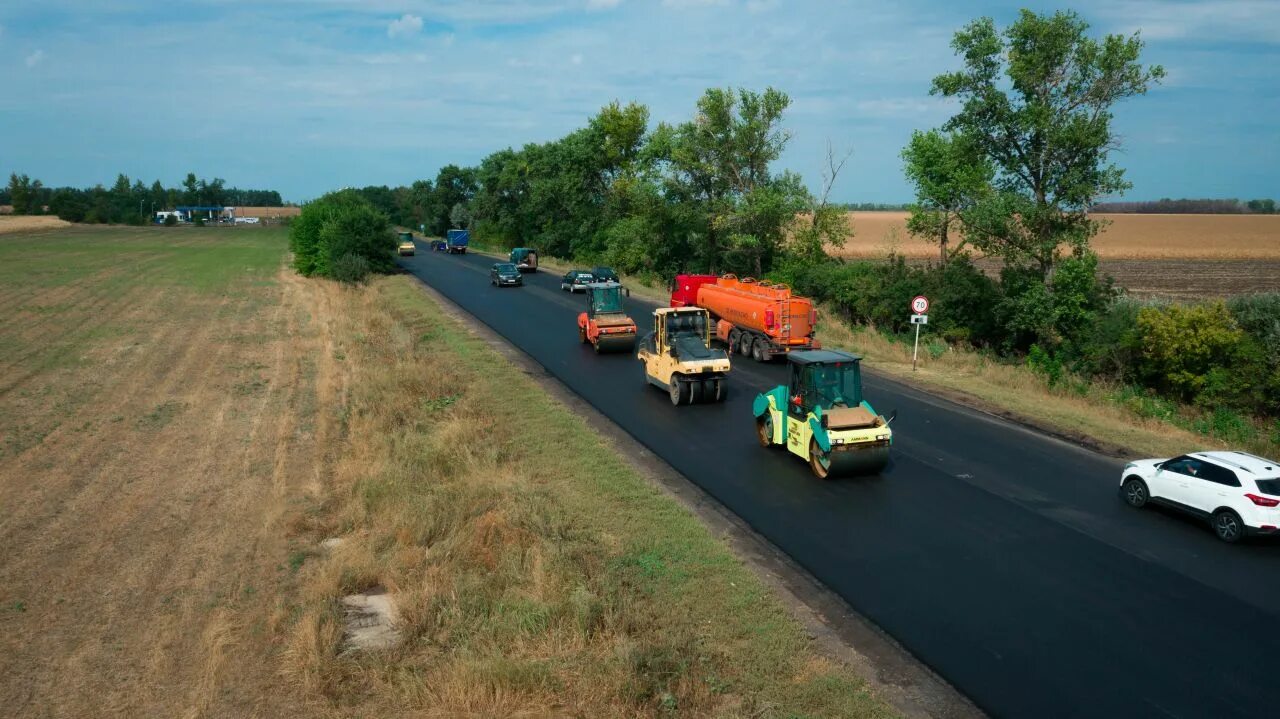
1001, 558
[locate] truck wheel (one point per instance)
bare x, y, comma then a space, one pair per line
759, 351
764, 429
582, 334
597, 346
735, 336
744, 346
679, 391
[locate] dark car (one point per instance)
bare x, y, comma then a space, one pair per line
505, 274
604, 274
576, 281
438, 245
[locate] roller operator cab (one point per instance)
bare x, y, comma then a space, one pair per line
821, 416
406, 246
605, 325
525, 259
679, 359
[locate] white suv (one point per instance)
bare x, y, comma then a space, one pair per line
1239, 493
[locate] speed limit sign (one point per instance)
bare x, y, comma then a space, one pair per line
920, 304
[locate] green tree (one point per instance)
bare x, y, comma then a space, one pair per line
1037, 102
21, 193
720, 165
190, 189
453, 185
950, 174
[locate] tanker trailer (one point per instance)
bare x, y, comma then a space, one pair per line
758, 319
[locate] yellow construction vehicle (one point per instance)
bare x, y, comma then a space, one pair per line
678, 358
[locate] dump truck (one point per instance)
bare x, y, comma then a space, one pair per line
758, 319
406, 246
605, 325
821, 416
679, 359
456, 241
525, 259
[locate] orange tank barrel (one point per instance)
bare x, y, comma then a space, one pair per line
771, 309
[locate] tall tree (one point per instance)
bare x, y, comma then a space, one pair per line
950, 175
20, 193
453, 185
190, 189
1037, 101
720, 162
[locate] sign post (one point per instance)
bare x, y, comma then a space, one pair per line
919, 306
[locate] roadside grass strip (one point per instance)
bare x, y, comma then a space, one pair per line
535, 573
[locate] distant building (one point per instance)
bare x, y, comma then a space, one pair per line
263, 214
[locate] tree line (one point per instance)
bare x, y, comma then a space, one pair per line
126, 201
432, 206
1187, 206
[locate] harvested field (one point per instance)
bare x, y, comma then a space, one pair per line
1175, 256
27, 223
183, 422
157, 420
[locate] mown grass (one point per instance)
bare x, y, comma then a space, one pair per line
536, 573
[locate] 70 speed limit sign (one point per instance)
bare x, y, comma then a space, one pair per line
920, 304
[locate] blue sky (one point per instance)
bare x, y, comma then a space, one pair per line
304, 97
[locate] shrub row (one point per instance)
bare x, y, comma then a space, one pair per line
1215, 355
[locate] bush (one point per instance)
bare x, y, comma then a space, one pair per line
1181, 345
1111, 347
351, 269
170, 220
337, 225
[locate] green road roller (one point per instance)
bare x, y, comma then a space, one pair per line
821, 416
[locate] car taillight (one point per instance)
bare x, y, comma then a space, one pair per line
1263, 501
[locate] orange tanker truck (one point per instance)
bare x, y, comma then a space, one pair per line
760, 319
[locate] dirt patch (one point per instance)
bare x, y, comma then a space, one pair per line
369, 622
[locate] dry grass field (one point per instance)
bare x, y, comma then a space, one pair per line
1179, 256
157, 419
24, 223
183, 421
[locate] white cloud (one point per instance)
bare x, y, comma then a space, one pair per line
602, 4
1211, 19
693, 3
34, 58
406, 25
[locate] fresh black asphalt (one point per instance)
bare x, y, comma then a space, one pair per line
1001, 558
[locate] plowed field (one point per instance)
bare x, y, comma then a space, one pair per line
1179, 256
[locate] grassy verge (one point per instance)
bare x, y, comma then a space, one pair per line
1116, 419
537, 574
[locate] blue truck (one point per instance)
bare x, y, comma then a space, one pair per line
455, 241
